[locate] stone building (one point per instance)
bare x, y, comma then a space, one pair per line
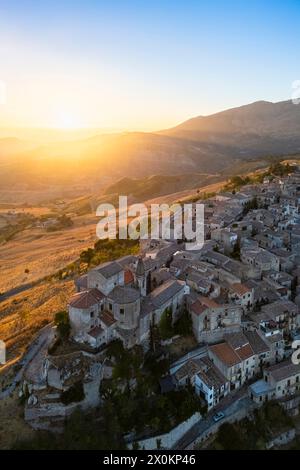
118, 304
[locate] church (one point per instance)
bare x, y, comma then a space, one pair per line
115, 301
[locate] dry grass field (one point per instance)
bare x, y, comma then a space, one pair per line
23, 315
43, 253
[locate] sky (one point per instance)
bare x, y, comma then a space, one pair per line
138, 65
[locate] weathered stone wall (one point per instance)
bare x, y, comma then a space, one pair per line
168, 440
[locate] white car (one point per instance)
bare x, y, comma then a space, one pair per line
218, 416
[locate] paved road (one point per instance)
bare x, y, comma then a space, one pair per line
17, 290
45, 337
234, 405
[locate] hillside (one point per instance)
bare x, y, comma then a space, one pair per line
158, 185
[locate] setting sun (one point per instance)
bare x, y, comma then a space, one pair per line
67, 120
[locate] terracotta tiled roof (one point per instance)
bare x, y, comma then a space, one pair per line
240, 344
212, 377
198, 308
210, 303
95, 332
128, 277
225, 353
240, 289
244, 352
190, 368
86, 299
107, 318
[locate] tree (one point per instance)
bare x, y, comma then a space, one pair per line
278, 169
237, 181
184, 325
154, 336
250, 205
86, 256
62, 323
165, 324
229, 438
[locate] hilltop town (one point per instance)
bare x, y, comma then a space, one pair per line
219, 322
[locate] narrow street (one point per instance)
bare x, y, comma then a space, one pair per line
230, 406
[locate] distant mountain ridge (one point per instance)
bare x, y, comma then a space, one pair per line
260, 117
218, 143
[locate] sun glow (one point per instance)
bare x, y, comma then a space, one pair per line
67, 120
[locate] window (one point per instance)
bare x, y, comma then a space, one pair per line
92, 314
122, 311
110, 306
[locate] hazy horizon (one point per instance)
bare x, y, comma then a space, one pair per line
43, 134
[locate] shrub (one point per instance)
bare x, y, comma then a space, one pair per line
74, 394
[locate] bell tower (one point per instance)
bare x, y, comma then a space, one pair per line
140, 277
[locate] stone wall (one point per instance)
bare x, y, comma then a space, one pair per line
168, 440
210, 337
282, 439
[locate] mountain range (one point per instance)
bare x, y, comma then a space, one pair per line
219, 143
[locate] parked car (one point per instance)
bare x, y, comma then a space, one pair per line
218, 416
